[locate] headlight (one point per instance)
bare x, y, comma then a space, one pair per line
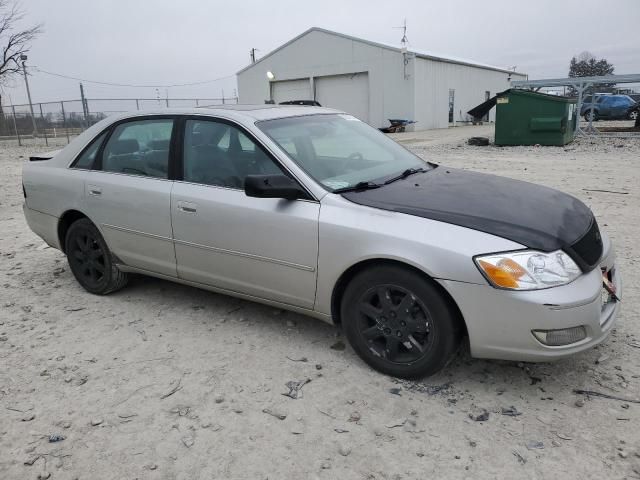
528, 269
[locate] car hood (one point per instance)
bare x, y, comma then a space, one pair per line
537, 217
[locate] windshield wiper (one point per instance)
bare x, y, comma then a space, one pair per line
358, 186
405, 174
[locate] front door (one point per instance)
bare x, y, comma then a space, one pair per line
127, 194
263, 247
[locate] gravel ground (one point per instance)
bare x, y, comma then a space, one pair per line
162, 381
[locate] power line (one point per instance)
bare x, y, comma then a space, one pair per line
113, 84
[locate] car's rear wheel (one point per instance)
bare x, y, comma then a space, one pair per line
399, 322
633, 115
90, 260
591, 115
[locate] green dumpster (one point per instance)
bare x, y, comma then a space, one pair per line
524, 117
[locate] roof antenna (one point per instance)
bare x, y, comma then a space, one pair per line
404, 41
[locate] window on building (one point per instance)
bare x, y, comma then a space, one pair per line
452, 94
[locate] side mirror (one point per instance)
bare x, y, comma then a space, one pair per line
272, 186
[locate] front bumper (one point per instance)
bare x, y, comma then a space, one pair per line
500, 322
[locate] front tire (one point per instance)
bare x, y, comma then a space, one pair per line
399, 322
591, 115
90, 260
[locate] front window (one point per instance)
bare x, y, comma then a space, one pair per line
339, 151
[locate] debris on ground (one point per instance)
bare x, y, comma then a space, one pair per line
535, 445
519, 456
511, 411
56, 438
478, 141
301, 359
591, 393
177, 386
396, 423
354, 417
274, 413
295, 388
482, 417
395, 391
339, 346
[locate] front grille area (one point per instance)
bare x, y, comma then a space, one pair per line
589, 248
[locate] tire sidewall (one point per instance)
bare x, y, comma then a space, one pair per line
443, 321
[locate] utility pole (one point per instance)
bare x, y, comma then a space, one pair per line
252, 54
84, 106
23, 57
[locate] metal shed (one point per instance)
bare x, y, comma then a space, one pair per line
373, 81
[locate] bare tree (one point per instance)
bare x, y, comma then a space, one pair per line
14, 41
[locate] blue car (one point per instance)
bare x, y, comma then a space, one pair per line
611, 107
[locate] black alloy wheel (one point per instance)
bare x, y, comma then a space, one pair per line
90, 260
399, 321
395, 324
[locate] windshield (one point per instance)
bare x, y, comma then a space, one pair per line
339, 151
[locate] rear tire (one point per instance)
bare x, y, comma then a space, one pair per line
590, 114
399, 322
90, 259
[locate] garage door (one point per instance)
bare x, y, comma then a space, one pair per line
286, 90
345, 92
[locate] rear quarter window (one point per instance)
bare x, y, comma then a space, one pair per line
87, 157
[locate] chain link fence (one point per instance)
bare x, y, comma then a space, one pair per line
67, 118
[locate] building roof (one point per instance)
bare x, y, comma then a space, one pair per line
417, 53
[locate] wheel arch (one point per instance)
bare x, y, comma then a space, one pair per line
66, 220
353, 270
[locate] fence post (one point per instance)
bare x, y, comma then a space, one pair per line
64, 121
15, 125
44, 127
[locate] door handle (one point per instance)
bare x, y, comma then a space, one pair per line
95, 190
187, 207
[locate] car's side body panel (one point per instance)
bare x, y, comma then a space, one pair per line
264, 247
352, 233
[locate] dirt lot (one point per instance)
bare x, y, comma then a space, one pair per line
161, 381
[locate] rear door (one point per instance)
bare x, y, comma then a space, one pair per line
263, 247
128, 193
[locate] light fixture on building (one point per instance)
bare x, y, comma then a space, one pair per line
271, 76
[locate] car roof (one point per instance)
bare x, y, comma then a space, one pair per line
238, 111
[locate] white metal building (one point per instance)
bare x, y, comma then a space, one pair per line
372, 81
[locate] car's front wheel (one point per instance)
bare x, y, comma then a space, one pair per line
399, 322
633, 115
90, 260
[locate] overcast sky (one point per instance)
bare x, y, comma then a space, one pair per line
180, 41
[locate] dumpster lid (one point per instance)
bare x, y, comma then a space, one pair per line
482, 109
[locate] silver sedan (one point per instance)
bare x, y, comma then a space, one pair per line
311, 210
